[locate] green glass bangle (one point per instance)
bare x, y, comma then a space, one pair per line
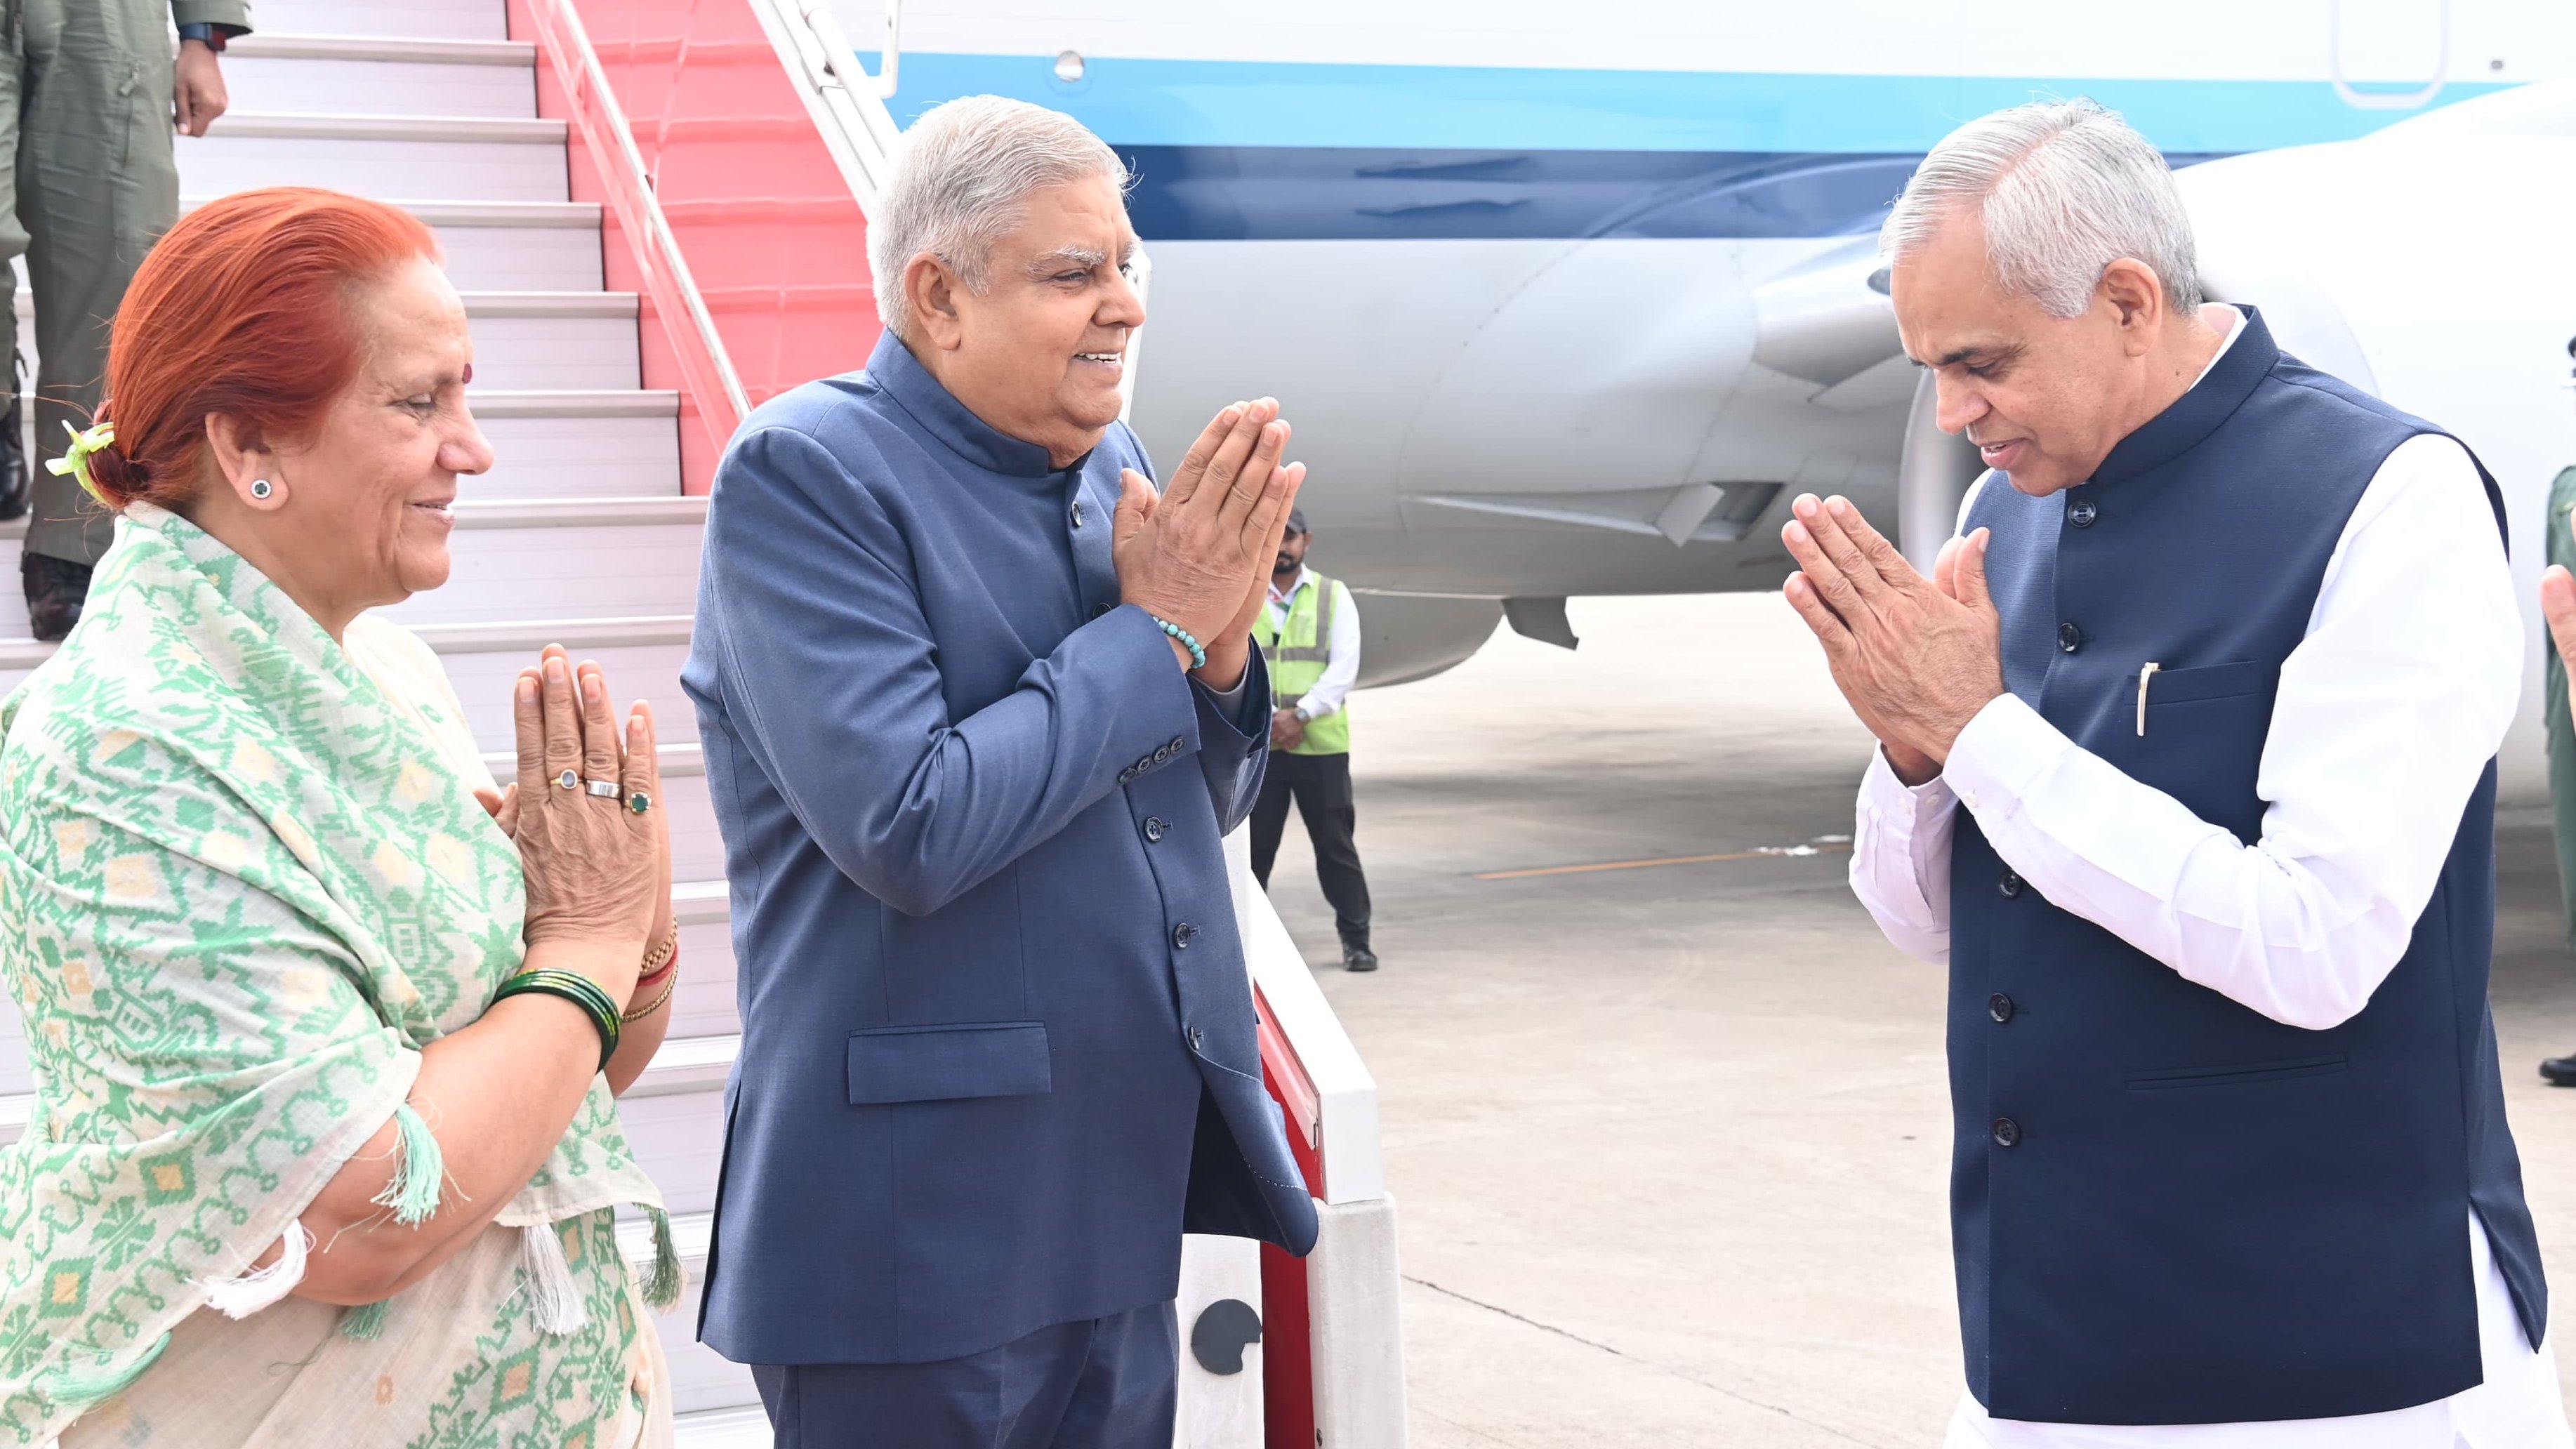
578, 989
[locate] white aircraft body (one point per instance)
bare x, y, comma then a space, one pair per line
1572, 299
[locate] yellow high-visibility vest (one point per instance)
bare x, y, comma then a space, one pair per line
1298, 649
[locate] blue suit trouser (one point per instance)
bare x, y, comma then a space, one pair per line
1101, 1383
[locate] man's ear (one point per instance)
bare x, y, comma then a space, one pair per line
2137, 300
934, 290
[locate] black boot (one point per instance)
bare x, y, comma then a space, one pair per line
56, 589
1356, 956
2559, 1071
14, 476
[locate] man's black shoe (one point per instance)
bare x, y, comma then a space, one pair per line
14, 476
2559, 1071
56, 589
1361, 958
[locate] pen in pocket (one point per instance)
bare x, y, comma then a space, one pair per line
2144, 675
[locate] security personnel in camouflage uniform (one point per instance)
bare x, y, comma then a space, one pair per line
2560, 731
92, 92
1310, 637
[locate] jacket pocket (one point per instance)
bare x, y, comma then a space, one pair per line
2235, 1076
947, 1062
2208, 681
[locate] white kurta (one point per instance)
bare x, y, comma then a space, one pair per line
2387, 714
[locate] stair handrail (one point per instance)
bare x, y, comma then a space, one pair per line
705, 368
847, 103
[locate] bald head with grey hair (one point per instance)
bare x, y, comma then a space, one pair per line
2064, 189
962, 175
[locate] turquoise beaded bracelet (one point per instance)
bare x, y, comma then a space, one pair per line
1198, 652
578, 989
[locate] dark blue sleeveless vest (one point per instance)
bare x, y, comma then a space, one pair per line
2167, 1208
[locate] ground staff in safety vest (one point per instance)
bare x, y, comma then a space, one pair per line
1310, 635
91, 92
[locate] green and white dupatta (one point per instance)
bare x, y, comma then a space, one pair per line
240, 888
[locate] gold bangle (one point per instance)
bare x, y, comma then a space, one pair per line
660, 956
660, 999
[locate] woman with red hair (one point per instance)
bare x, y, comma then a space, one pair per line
325, 1028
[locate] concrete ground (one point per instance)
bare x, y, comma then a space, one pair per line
1668, 1143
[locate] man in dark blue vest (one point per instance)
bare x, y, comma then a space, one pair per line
2217, 672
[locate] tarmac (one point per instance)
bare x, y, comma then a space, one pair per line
1668, 1142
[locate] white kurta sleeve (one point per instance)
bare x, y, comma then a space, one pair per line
1900, 865
2386, 715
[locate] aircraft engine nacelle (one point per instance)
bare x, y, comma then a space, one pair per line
1526, 420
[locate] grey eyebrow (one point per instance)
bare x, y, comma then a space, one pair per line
1049, 263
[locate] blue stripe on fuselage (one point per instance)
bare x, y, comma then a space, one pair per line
1261, 150
1135, 102
1254, 193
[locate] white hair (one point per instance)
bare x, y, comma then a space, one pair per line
961, 176
2065, 188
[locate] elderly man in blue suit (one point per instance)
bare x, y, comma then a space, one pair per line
978, 706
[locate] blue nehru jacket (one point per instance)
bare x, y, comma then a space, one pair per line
2168, 1208
998, 1048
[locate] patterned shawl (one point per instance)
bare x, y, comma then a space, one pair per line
240, 888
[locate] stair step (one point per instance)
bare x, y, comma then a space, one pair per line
393, 158
579, 512
540, 340
382, 75
742, 1428
525, 245
573, 403
444, 19
388, 48
687, 1065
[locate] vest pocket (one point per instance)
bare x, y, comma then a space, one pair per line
2209, 681
2235, 1076
948, 1062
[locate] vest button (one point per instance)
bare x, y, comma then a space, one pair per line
2007, 1132
1077, 513
1101, 609
2010, 885
2000, 1007
1153, 830
2080, 513
2069, 638
1182, 935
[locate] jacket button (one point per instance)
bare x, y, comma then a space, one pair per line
1101, 609
1077, 513
2007, 1132
2010, 885
2000, 1007
1153, 830
2069, 638
1197, 1037
1182, 935
2080, 513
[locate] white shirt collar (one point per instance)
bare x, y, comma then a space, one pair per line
2235, 329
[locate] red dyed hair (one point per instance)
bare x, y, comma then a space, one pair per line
246, 308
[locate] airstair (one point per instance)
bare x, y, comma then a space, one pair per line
586, 534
